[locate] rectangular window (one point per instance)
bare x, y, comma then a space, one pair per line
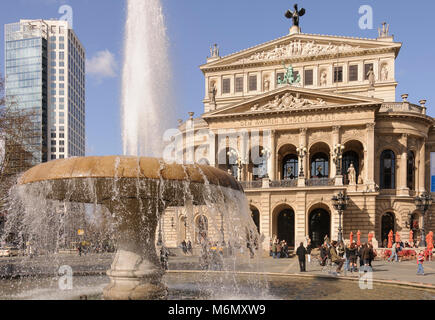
61, 149
308, 77
367, 67
353, 73
226, 85
53, 149
53, 157
253, 83
338, 74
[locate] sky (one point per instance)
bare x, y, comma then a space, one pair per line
194, 25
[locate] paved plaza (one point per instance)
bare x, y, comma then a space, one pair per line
403, 272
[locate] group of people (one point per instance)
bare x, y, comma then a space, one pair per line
338, 254
279, 249
186, 247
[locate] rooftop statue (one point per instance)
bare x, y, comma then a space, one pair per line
295, 15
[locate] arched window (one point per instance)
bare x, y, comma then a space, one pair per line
290, 167
320, 165
348, 158
255, 214
388, 170
387, 225
410, 171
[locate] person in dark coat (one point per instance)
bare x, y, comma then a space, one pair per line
301, 252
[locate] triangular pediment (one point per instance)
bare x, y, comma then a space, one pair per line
298, 47
290, 98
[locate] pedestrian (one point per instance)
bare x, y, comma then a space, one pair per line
335, 258
184, 246
271, 247
420, 260
393, 253
372, 255
189, 247
274, 249
366, 256
309, 249
351, 256
80, 248
301, 252
164, 254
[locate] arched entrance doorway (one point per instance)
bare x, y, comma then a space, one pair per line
255, 215
286, 226
387, 224
319, 226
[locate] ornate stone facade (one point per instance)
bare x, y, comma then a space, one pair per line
387, 143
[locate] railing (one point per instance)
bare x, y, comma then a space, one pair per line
400, 107
251, 184
320, 182
288, 183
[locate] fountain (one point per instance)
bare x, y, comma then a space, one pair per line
136, 191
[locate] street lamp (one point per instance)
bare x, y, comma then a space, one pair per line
337, 156
302, 151
423, 203
340, 202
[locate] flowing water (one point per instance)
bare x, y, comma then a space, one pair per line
146, 80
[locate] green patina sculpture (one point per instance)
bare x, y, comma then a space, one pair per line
289, 77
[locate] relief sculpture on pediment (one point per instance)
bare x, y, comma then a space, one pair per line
301, 48
286, 102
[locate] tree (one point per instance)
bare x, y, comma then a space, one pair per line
15, 151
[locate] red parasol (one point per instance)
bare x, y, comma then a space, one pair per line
390, 239
358, 238
351, 237
411, 236
370, 237
397, 236
429, 240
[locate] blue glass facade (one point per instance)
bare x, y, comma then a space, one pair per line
26, 81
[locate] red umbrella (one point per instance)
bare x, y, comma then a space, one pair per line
429, 240
411, 236
370, 237
351, 237
358, 238
390, 239
397, 236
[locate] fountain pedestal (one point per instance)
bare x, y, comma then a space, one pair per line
135, 273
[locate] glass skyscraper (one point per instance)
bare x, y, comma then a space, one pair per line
45, 74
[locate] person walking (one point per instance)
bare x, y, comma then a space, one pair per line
274, 249
420, 260
366, 256
301, 252
335, 258
309, 249
393, 253
189, 247
352, 257
164, 254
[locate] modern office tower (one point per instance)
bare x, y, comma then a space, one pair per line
45, 74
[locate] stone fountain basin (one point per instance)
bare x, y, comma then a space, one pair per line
94, 179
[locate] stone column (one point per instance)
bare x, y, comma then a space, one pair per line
304, 162
272, 159
403, 188
370, 153
300, 218
422, 167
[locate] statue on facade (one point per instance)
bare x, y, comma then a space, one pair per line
384, 73
351, 174
323, 79
266, 84
371, 77
213, 92
295, 15
289, 77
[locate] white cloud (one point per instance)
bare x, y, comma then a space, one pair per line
102, 65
